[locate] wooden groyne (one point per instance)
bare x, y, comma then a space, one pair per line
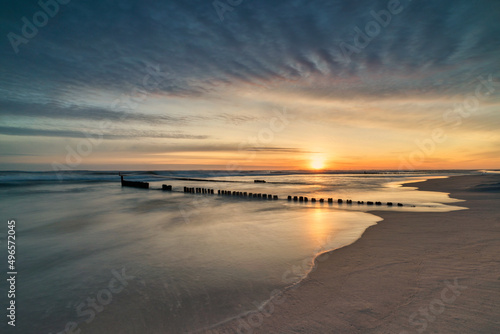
134, 184
255, 195
340, 201
222, 192
198, 191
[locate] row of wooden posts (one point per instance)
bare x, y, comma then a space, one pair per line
302, 199
339, 201
226, 193
198, 191
166, 187
247, 194
271, 197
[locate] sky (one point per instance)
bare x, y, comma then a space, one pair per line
249, 84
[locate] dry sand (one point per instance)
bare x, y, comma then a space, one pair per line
410, 273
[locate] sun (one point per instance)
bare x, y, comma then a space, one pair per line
317, 163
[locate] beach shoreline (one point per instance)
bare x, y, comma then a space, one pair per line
410, 273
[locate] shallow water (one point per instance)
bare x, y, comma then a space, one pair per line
189, 261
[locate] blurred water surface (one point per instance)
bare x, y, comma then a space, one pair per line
96, 257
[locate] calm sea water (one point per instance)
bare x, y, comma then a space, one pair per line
96, 257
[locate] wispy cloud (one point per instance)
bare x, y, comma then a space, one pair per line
261, 41
74, 112
14, 131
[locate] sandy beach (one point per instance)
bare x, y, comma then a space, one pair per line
410, 273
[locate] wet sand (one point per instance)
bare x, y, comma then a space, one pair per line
410, 273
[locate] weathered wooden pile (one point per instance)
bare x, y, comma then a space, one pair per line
134, 184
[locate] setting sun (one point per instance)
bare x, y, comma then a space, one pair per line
317, 163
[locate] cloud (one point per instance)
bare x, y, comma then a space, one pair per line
277, 150
16, 131
76, 113
258, 42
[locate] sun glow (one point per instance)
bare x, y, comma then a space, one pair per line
317, 163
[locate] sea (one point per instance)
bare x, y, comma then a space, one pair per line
92, 256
